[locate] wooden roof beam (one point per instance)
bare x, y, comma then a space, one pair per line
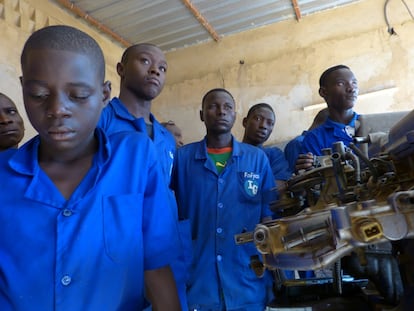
203, 21
79, 12
297, 10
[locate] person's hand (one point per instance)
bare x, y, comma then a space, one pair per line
304, 162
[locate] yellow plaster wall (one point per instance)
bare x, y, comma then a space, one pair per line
282, 63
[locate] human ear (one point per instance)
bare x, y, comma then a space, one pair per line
244, 122
322, 91
201, 116
120, 69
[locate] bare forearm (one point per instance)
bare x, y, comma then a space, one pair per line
161, 290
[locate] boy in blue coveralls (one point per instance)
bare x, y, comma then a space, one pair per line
339, 87
142, 71
80, 215
11, 124
258, 125
222, 187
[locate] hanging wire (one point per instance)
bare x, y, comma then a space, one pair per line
408, 9
391, 30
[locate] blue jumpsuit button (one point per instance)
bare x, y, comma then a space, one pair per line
67, 212
66, 280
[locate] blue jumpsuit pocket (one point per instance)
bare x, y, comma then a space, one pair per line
122, 226
250, 187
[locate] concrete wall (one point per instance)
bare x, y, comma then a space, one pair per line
282, 63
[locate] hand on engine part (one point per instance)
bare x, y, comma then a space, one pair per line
280, 185
304, 162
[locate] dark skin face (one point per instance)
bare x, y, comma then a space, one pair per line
340, 93
11, 124
63, 100
64, 95
258, 126
142, 78
218, 114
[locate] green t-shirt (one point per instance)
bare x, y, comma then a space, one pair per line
219, 156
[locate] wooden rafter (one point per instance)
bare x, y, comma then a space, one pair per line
203, 21
78, 11
297, 10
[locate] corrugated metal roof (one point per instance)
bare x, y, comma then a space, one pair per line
171, 25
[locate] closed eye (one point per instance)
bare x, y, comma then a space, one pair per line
79, 97
39, 97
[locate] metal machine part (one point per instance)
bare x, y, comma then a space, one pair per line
350, 211
345, 204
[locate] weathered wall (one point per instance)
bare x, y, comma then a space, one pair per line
282, 63
18, 19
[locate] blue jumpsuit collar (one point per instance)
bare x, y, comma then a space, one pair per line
29, 165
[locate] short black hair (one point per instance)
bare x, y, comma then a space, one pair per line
325, 74
128, 50
216, 90
63, 37
258, 106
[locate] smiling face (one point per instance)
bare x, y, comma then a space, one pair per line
340, 90
11, 124
63, 95
258, 126
218, 112
142, 71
